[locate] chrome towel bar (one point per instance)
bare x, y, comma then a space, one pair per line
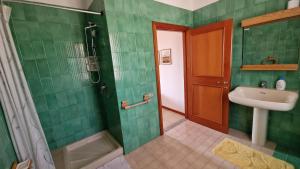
146, 99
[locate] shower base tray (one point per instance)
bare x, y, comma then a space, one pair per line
92, 152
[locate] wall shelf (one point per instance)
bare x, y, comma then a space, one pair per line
278, 67
271, 17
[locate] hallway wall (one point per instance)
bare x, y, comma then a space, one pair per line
172, 76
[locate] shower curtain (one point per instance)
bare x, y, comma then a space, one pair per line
22, 119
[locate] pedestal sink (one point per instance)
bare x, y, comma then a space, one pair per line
263, 100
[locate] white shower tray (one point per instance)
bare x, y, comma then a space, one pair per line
92, 152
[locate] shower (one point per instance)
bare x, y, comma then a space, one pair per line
92, 64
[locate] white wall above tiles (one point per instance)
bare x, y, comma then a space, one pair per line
191, 5
81, 4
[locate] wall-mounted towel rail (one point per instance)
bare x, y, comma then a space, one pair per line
146, 99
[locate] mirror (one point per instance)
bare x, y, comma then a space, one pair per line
272, 43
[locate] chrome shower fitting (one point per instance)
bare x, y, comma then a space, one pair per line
92, 64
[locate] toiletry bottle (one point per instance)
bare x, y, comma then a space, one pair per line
280, 84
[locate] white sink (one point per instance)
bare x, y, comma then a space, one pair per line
263, 100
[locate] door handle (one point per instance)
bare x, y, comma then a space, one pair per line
225, 82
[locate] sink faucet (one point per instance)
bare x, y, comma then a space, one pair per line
268, 59
263, 84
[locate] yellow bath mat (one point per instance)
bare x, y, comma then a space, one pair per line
247, 158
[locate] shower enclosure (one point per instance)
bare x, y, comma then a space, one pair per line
62, 60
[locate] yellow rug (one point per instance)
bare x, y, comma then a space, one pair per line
247, 158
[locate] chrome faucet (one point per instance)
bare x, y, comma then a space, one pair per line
269, 59
263, 84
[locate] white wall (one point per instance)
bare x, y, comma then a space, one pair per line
185, 4
188, 4
171, 76
81, 4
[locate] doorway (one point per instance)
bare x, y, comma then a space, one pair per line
170, 59
206, 53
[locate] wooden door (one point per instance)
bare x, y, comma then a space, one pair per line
209, 51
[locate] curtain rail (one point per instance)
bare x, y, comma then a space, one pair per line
54, 6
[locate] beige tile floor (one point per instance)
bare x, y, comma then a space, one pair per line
186, 146
171, 119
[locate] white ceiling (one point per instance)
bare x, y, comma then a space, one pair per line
191, 5
81, 4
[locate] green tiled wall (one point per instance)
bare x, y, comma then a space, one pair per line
283, 127
288, 155
109, 98
130, 31
278, 39
7, 152
50, 44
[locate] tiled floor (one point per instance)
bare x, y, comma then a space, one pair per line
118, 163
186, 146
171, 119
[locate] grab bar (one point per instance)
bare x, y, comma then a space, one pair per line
146, 99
